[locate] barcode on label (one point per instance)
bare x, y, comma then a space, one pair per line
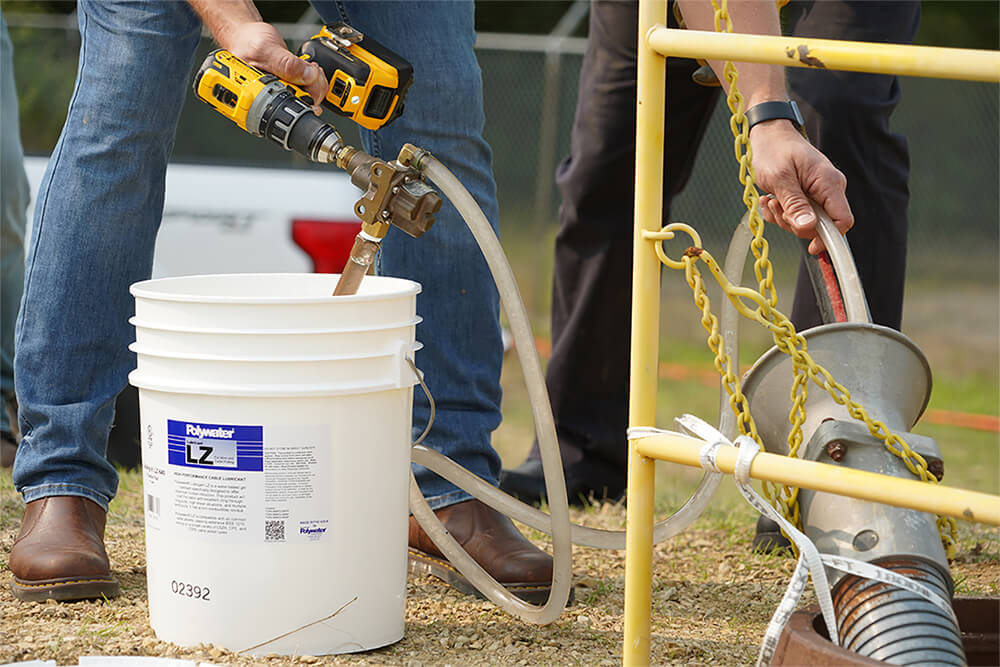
274, 531
152, 504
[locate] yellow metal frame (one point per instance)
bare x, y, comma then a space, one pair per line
655, 43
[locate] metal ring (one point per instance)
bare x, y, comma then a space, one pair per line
666, 234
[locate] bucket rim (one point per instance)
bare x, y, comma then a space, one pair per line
193, 356
149, 382
141, 290
155, 326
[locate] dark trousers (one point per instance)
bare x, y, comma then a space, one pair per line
847, 117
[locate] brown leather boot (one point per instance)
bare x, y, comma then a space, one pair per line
494, 542
59, 553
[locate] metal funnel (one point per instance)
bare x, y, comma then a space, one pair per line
883, 369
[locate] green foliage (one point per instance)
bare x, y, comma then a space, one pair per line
44, 85
968, 24
520, 16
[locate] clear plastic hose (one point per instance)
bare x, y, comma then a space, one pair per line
555, 484
851, 290
557, 523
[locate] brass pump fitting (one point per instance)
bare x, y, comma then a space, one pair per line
411, 156
394, 194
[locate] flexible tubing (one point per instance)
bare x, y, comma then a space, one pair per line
555, 484
729, 320
557, 523
843, 263
847, 276
544, 423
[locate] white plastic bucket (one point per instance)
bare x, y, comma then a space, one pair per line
276, 488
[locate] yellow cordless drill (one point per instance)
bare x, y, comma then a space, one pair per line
367, 83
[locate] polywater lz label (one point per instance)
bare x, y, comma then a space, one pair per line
240, 482
215, 446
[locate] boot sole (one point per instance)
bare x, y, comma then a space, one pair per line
423, 563
65, 589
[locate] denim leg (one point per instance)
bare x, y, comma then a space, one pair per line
98, 209
14, 196
462, 352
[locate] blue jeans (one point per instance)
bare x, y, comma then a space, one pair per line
100, 204
14, 196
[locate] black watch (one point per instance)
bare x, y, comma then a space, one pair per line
787, 110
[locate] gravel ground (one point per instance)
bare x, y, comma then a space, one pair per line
712, 599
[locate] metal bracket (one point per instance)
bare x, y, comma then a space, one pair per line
853, 434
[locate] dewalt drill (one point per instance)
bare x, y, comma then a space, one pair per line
367, 84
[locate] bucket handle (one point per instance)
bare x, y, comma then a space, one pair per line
419, 374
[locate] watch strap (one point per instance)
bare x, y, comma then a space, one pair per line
776, 110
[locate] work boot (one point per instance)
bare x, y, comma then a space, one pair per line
586, 481
768, 538
493, 542
59, 553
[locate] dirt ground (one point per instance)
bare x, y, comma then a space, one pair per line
712, 599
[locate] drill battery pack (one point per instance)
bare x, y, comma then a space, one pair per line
367, 81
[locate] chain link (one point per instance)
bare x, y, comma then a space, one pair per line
765, 298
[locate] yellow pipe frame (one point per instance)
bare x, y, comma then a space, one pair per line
655, 43
902, 59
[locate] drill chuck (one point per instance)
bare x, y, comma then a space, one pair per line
277, 114
265, 106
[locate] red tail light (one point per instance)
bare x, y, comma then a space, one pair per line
327, 242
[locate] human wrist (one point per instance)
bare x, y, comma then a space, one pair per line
775, 113
224, 18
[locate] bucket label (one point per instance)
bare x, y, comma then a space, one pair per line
215, 446
221, 482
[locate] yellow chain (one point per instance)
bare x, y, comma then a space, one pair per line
786, 339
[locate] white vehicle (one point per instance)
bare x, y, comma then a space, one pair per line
225, 219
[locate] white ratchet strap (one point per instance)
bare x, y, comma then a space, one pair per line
809, 562
636, 432
707, 453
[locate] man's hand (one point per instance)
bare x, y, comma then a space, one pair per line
261, 45
790, 168
237, 27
